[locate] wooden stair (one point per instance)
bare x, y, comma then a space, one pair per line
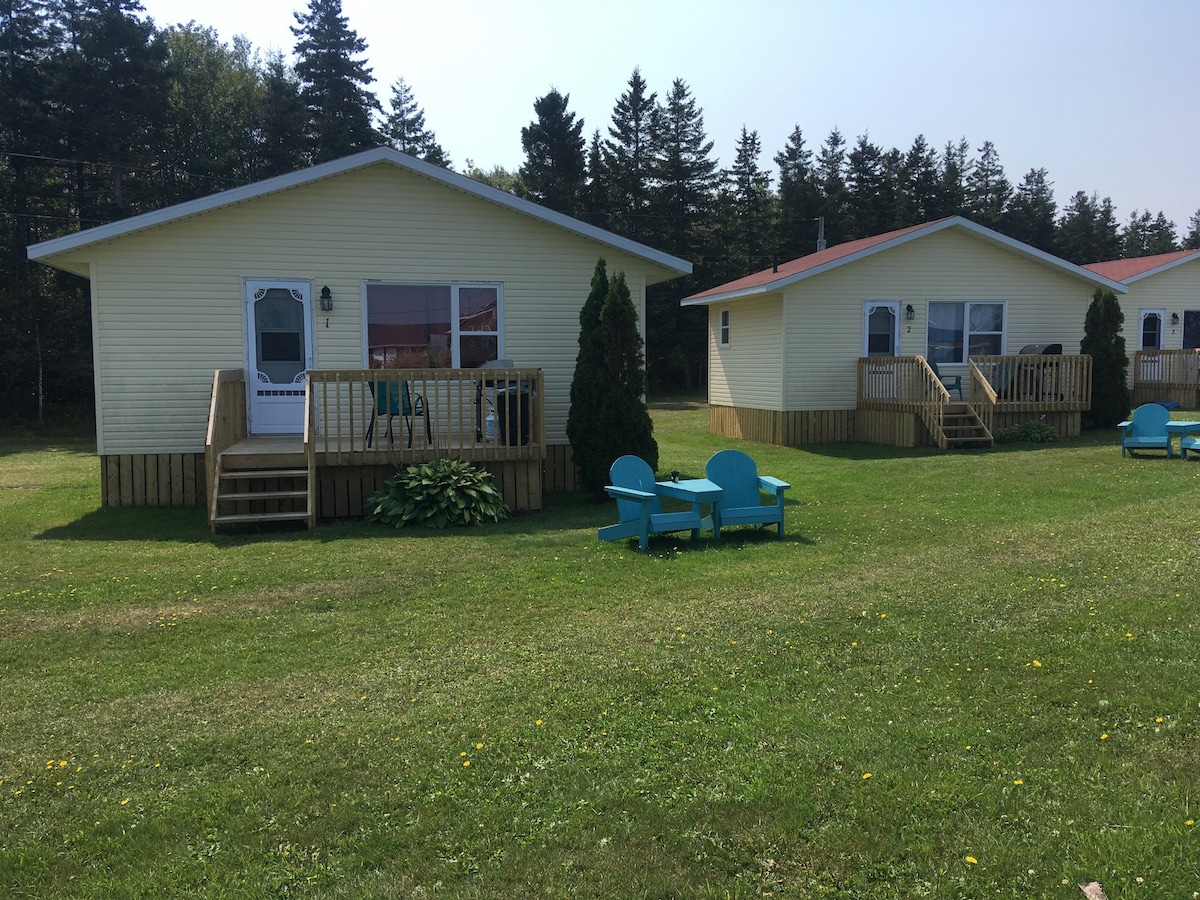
257, 488
962, 428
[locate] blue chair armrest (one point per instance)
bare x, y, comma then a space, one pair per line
629, 494
772, 485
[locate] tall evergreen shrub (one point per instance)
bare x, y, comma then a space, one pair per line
608, 416
587, 386
1103, 341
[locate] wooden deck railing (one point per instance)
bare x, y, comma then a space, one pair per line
1172, 368
904, 384
226, 420
369, 416
998, 384
1051, 383
982, 396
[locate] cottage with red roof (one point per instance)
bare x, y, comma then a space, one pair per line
907, 338
1164, 306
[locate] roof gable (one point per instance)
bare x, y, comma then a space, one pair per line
777, 278
46, 250
1129, 270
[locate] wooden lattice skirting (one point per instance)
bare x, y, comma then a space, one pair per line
178, 479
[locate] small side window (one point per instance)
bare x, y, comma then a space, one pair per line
723, 329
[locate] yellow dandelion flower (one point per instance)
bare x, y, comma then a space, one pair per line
972, 860
1189, 823
479, 746
1158, 719
1104, 737
1037, 664
866, 775
126, 800
466, 763
464, 753
1017, 781
538, 722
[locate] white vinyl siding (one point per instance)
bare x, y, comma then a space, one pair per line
1175, 290
168, 308
823, 314
749, 372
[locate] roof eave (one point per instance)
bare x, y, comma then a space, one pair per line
55, 246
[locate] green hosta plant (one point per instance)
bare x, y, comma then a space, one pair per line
437, 494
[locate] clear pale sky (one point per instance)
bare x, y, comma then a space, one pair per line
1105, 95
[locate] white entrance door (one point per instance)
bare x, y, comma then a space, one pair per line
279, 351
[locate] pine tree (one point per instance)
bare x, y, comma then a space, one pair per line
596, 204
588, 387
335, 83
1192, 241
555, 168
988, 191
798, 200
628, 158
1087, 230
751, 188
110, 90
952, 181
831, 178
684, 173
405, 128
1160, 236
1032, 213
918, 199
865, 189
282, 118
1104, 342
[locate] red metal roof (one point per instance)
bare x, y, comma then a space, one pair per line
805, 263
1125, 269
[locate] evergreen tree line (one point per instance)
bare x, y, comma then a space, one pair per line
103, 116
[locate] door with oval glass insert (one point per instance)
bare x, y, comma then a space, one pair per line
278, 352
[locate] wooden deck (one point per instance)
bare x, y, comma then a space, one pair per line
357, 431
1003, 392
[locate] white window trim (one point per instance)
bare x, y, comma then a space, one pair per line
1162, 326
869, 306
455, 331
723, 330
966, 343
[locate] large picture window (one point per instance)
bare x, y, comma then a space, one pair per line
418, 326
960, 329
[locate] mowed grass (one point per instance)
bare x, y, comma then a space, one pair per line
959, 675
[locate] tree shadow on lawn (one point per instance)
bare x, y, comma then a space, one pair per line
857, 450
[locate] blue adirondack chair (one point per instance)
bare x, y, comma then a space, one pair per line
742, 504
1147, 430
638, 506
951, 382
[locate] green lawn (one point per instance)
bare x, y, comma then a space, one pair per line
959, 675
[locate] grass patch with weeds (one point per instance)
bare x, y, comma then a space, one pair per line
982, 654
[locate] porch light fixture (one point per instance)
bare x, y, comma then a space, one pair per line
326, 300
909, 312
1174, 318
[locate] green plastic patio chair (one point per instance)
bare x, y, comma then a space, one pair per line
392, 398
951, 382
639, 508
1146, 430
741, 503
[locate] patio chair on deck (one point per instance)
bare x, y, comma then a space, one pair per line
741, 504
950, 382
1146, 430
392, 399
638, 505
